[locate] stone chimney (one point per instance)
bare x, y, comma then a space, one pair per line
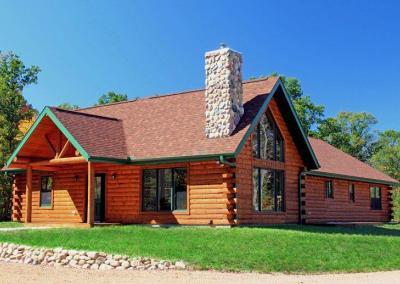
224, 91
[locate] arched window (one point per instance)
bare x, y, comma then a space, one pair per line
267, 142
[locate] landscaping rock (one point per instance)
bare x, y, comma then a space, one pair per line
180, 265
60, 257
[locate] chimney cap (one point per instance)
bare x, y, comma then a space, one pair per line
223, 45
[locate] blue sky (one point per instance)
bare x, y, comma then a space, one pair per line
346, 53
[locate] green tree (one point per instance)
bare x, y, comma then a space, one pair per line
14, 77
112, 97
387, 155
68, 106
351, 132
387, 159
309, 113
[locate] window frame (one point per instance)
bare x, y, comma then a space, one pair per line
373, 200
275, 197
173, 191
331, 195
352, 192
277, 133
47, 206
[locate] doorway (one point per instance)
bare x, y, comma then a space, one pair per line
99, 198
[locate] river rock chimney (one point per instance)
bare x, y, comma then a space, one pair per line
223, 92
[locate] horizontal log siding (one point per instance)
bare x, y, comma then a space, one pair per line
210, 196
340, 208
68, 197
292, 166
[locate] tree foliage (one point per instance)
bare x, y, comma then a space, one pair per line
14, 77
309, 113
112, 97
387, 155
351, 132
68, 106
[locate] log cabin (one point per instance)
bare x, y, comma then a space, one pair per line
233, 153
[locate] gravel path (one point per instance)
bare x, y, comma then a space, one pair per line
22, 273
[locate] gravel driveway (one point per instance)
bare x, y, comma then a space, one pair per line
22, 273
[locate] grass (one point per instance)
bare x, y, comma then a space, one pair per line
288, 248
10, 224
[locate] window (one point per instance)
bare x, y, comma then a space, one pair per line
352, 192
164, 189
267, 142
268, 190
329, 189
45, 191
376, 198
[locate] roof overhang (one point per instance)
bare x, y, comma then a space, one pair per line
348, 177
163, 160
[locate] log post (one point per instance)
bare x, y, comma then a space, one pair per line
28, 195
90, 205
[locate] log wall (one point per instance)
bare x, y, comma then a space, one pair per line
210, 196
319, 209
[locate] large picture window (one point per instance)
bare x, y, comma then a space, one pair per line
164, 189
376, 197
268, 190
267, 142
46, 187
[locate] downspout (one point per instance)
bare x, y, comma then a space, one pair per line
225, 162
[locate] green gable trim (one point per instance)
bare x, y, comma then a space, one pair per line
349, 177
304, 136
262, 110
47, 112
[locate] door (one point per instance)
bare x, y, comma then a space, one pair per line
99, 197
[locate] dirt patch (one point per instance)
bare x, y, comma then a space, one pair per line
23, 273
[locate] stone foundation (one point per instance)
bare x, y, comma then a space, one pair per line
81, 259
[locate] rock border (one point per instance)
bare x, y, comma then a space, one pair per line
60, 257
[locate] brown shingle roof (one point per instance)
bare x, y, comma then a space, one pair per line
98, 135
334, 161
168, 126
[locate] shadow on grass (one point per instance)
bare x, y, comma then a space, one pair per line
388, 230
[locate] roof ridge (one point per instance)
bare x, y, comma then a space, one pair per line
166, 95
84, 113
352, 157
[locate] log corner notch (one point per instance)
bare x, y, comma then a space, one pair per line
28, 194
90, 195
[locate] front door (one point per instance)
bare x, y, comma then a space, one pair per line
99, 198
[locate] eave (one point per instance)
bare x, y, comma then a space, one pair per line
350, 177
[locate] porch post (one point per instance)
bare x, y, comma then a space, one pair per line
28, 195
90, 205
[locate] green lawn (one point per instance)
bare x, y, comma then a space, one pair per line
288, 248
10, 224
